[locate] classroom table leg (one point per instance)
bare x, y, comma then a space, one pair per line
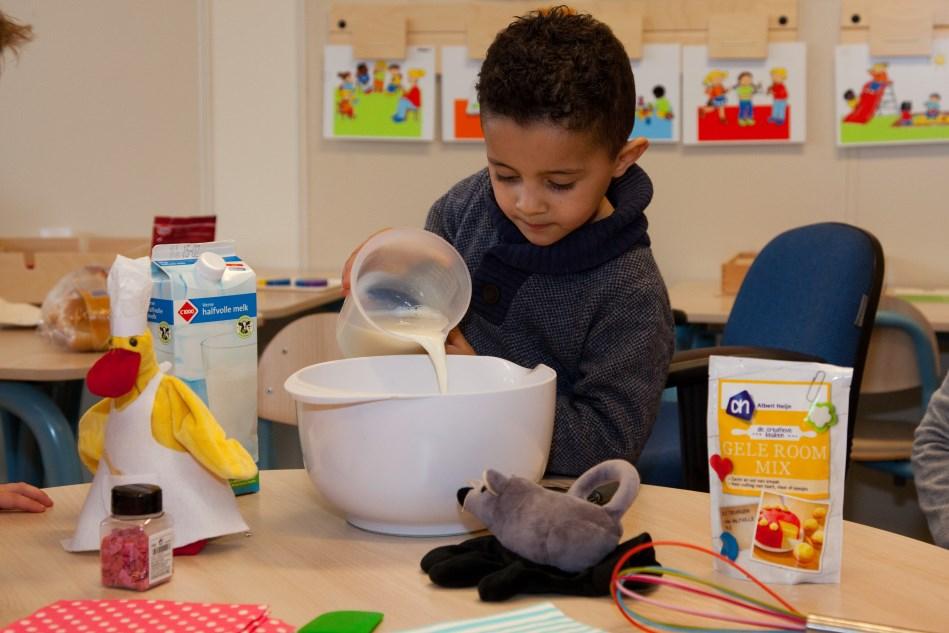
57, 443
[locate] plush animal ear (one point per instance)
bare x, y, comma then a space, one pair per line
494, 481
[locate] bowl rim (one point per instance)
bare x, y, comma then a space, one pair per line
302, 391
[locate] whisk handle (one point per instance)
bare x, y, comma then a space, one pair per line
830, 624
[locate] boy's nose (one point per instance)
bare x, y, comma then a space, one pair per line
529, 204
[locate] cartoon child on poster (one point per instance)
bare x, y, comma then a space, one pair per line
779, 94
745, 89
411, 100
662, 105
379, 75
395, 79
715, 91
933, 106
344, 95
363, 80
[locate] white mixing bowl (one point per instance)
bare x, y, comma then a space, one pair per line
382, 445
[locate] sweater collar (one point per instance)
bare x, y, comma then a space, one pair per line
588, 246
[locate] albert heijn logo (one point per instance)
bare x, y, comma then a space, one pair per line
187, 311
741, 405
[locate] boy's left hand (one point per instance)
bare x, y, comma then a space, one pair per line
456, 344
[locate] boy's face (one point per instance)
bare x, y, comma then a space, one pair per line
550, 181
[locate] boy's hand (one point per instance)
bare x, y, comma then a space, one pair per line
24, 497
348, 266
456, 344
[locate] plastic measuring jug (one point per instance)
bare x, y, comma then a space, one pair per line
406, 285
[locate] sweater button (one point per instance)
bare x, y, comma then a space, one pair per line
490, 294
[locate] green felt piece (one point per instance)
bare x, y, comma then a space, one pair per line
343, 622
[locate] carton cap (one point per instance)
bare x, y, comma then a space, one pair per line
211, 266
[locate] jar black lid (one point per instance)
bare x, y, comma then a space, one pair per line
136, 499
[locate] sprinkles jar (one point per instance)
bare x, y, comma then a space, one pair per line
136, 541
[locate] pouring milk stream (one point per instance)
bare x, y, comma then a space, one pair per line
409, 289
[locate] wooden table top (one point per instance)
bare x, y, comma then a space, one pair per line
280, 303
302, 559
26, 355
703, 302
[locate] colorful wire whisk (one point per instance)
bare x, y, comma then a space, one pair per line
750, 614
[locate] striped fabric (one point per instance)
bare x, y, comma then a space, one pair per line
542, 618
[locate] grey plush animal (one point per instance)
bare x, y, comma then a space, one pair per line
564, 530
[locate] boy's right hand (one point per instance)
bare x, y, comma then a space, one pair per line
348, 266
24, 497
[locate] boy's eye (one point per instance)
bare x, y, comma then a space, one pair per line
506, 178
560, 186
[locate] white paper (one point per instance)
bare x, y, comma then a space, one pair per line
130, 289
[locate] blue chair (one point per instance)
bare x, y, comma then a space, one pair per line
811, 294
23, 403
901, 373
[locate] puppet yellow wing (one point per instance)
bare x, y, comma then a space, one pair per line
181, 421
92, 433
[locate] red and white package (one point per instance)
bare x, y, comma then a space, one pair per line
193, 229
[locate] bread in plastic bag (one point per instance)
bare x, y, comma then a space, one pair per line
75, 313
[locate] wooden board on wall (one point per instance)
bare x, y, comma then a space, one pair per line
857, 17
663, 21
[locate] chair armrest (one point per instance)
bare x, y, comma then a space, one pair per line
691, 365
688, 373
925, 356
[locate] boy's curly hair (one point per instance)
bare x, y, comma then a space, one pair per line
563, 67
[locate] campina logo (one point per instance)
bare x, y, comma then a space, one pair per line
741, 405
187, 311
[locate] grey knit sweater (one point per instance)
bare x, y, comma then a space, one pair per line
592, 306
931, 464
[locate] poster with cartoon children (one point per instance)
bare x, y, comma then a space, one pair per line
461, 120
891, 101
744, 101
658, 98
391, 99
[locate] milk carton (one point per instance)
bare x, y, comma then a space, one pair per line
203, 318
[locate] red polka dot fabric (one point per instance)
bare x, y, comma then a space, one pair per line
148, 616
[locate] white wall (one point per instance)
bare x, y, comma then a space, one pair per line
120, 110
99, 117
710, 202
256, 119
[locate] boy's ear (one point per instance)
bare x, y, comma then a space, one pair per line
629, 154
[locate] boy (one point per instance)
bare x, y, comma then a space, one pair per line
554, 235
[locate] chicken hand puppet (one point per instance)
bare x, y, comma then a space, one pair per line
151, 428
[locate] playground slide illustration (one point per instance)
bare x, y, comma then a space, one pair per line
867, 106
